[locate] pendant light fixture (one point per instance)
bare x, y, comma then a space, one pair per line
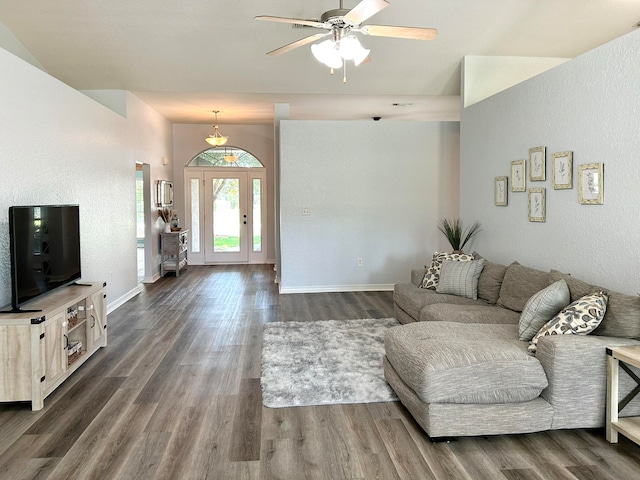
230, 157
216, 139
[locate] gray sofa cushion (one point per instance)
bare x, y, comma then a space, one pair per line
447, 362
519, 284
412, 299
458, 419
623, 311
443, 312
577, 288
490, 281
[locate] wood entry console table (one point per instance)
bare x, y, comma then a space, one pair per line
629, 426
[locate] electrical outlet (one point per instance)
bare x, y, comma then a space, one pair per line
360, 262
306, 211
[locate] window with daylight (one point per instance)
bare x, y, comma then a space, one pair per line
225, 157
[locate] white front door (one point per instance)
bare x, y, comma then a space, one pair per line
233, 205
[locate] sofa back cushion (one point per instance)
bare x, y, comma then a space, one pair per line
490, 281
577, 288
622, 318
519, 284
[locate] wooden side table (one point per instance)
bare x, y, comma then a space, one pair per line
621, 357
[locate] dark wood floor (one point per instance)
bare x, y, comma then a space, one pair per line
176, 395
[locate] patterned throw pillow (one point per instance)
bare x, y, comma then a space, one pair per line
542, 307
460, 278
432, 275
580, 318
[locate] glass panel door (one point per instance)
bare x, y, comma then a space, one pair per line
227, 225
256, 200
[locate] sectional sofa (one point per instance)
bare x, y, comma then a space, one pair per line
459, 366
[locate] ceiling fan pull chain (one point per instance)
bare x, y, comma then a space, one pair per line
344, 76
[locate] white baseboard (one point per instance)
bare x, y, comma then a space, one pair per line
123, 299
156, 277
336, 288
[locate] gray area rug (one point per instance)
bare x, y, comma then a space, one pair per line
325, 362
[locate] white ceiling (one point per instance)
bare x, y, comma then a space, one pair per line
188, 58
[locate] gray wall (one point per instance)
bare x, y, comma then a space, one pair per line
374, 190
591, 106
58, 146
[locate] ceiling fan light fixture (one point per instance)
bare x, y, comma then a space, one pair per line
216, 139
361, 56
350, 47
326, 52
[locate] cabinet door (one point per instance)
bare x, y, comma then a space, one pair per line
55, 361
97, 320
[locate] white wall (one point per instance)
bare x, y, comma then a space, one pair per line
188, 141
375, 190
483, 76
591, 106
59, 146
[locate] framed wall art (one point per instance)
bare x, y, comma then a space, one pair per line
562, 169
518, 176
537, 205
537, 164
591, 184
500, 191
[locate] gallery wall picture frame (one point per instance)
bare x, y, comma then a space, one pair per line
537, 205
537, 164
500, 191
591, 183
562, 170
518, 176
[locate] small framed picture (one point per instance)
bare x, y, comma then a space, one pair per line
591, 184
500, 191
537, 164
537, 205
562, 165
518, 176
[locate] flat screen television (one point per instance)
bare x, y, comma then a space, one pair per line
45, 250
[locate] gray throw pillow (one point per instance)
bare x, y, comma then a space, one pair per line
460, 278
542, 307
432, 275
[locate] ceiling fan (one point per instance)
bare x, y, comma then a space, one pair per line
340, 24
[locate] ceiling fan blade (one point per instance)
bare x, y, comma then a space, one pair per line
414, 33
296, 44
295, 21
364, 10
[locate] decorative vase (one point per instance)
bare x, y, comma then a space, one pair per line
167, 227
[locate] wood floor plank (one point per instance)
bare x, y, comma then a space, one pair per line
210, 448
245, 440
145, 455
68, 419
405, 454
176, 395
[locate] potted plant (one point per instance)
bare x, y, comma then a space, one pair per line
456, 234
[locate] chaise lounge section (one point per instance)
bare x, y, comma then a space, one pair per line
459, 366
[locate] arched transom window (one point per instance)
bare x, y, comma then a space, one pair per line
225, 157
